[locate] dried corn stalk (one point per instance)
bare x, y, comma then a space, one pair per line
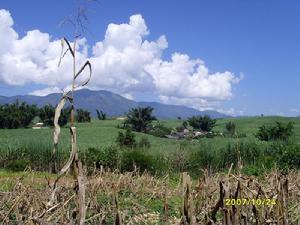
187, 208
73, 160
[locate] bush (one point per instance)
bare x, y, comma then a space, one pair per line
83, 116
138, 159
253, 170
126, 139
279, 131
204, 123
230, 128
139, 119
18, 165
144, 143
108, 157
179, 160
290, 157
160, 130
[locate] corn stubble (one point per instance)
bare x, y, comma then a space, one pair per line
115, 198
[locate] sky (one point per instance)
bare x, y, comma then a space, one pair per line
236, 57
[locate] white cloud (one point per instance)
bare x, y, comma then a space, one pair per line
124, 62
295, 110
232, 111
46, 91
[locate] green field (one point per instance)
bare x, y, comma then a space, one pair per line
104, 133
20, 148
206, 160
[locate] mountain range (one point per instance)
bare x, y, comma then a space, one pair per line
112, 104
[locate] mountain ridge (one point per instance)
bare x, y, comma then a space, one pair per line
112, 104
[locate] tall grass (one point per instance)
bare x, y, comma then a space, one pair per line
29, 153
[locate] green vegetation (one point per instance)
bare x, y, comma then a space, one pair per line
204, 123
101, 115
47, 112
139, 119
83, 116
27, 147
279, 131
16, 115
126, 139
231, 128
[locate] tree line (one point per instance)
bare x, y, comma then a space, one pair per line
21, 115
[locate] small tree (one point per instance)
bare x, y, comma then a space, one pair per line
139, 119
204, 123
126, 139
101, 115
230, 128
279, 131
83, 116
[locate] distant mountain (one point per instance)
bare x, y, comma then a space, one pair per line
112, 104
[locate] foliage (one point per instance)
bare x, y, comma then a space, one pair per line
138, 159
126, 139
159, 130
204, 123
18, 165
279, 131
185, 124
287, 155
83, 116
16, 115
216, 154
34, 152
47, 112
139, 119
108, 157
231, 128
101, 115
144, 143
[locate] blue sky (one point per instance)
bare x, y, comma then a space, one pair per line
259, 39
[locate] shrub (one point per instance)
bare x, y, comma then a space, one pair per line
279, 131
18, 165
185, 124
126, 139
253, 170
290, 157
138, 159
160, 130
230, 128
108, 157
83, 116
144, 143
179, 160
204, 123
139, 119
180, 128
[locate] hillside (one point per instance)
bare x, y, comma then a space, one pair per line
112, 104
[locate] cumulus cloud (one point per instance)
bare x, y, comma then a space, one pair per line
124, 62
46, 91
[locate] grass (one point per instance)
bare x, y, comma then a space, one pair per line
218, 152
103, 133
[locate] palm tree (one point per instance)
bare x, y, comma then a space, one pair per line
140, 118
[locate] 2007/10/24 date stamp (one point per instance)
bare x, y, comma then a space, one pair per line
248, 201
